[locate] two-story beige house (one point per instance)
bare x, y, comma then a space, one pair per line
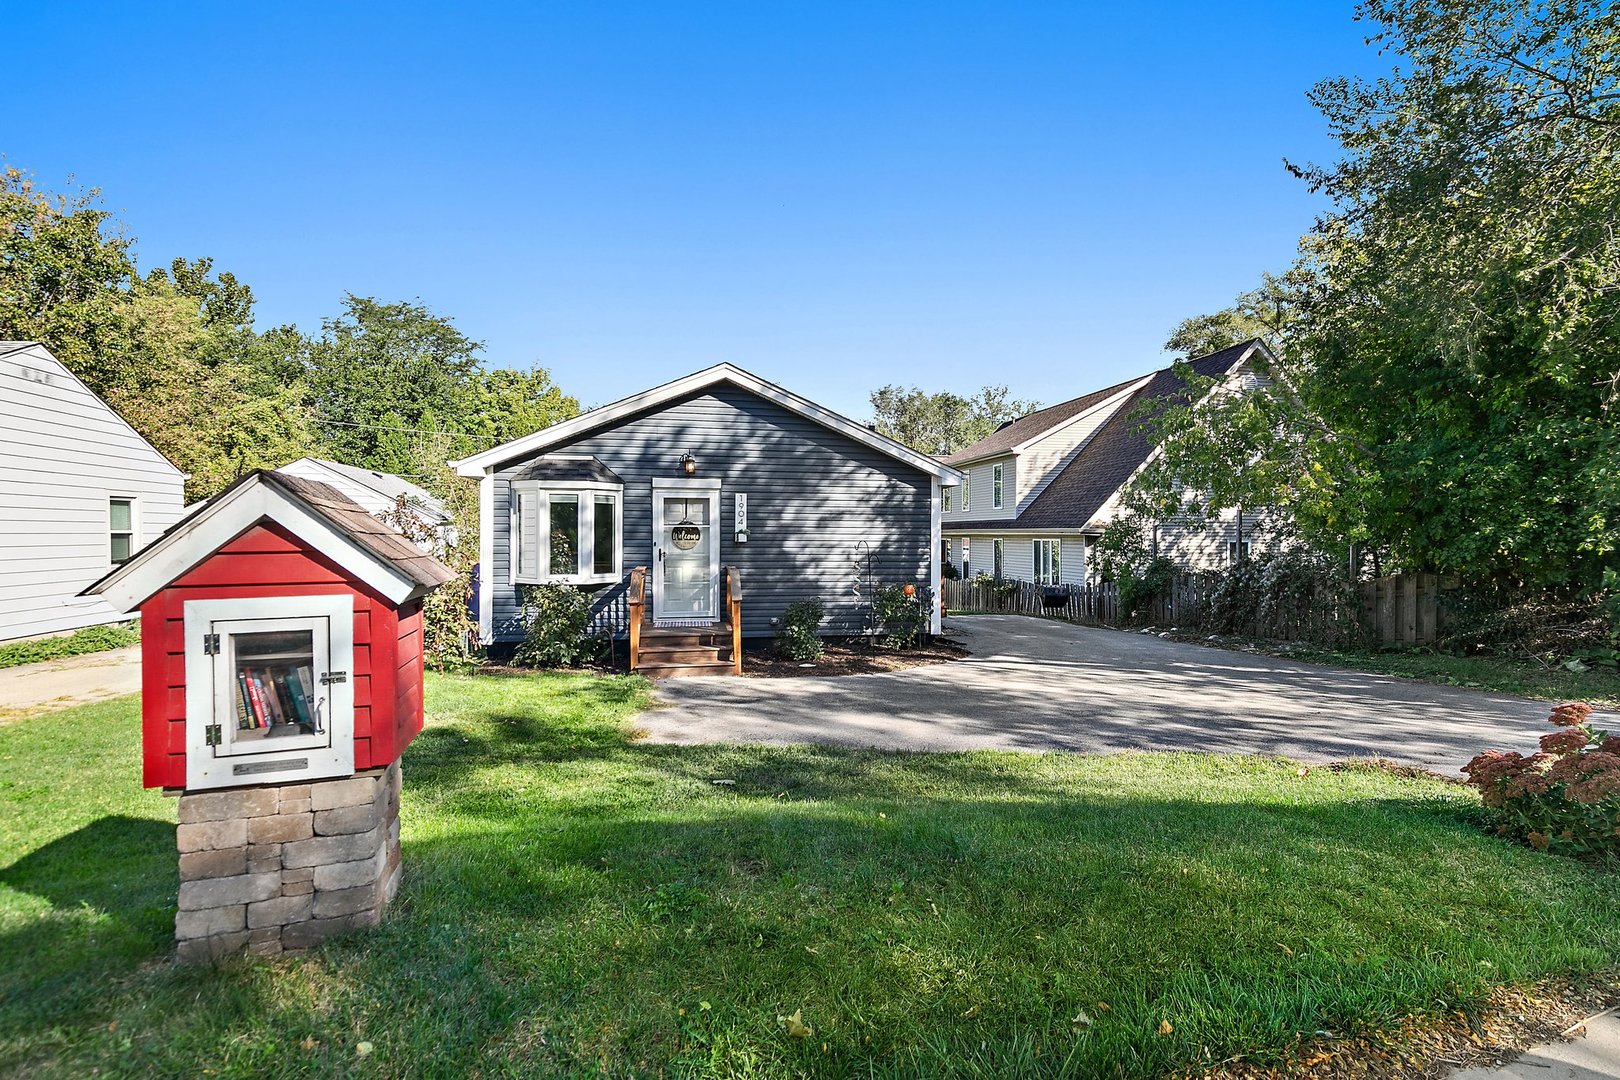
1038, 492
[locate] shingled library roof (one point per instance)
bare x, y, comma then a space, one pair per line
1113, 453
318, 514
360, 526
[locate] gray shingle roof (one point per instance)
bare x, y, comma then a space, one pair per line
578, 469
1031, 425
1111, 456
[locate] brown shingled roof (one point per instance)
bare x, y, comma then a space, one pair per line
1111, 456
355, 522
1031, 425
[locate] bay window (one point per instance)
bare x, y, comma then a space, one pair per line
569, 533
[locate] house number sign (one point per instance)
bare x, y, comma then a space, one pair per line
685, 537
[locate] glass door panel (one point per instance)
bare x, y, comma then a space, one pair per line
273, 672
688, 556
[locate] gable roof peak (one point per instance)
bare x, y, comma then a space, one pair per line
687, 385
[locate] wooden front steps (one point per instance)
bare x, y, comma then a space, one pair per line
667, 652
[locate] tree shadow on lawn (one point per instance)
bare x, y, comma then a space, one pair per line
111, 887
945, 924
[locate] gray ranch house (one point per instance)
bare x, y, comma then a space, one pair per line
695, 512
1040, 490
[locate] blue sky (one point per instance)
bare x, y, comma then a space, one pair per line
833, 196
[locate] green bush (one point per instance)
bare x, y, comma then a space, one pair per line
1137, 591
797, 640
899, 618
556, 628
92, 639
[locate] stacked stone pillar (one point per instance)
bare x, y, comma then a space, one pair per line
272, 868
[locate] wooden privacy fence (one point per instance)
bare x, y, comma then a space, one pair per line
1399, 608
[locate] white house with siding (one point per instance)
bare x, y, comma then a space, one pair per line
80, 492
1040, 490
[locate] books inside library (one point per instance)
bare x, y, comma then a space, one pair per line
275, 687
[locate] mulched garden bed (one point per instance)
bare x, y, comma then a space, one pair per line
848, 656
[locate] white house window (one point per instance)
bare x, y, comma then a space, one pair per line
998, 558
570, 533
966, 559
996, 495
121, 529
948, 494
965, 502
1232, 550
1048, 562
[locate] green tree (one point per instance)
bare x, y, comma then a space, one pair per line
380, 367
942, 423
65, 272
508, 403
1265, 313
1461, 322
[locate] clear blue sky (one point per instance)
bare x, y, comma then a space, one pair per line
833, 196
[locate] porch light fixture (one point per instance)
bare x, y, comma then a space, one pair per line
689, 464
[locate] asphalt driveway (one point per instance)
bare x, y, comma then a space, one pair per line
1035, 684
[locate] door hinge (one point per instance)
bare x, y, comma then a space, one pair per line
211, 644
211, 735
330, 677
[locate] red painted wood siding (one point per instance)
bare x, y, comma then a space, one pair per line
265, 561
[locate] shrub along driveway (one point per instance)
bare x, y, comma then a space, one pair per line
1037, 684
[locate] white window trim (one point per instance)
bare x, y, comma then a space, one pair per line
1054, 575
134, 525
966, 502
996, 497
585, 491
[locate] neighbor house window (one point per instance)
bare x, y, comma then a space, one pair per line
965, 559
965, 502
121, 529
998, 559
567, 533
1232, 550
948, 494
1048, 562
996, 495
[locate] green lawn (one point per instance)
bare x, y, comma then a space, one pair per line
579, 904
1509, 675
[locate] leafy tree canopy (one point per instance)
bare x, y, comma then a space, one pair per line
1448, 341
943, 423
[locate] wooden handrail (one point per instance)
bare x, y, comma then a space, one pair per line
733, 578
636, 596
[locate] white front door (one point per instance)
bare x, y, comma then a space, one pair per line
686, 552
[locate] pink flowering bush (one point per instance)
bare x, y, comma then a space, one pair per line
1564, 798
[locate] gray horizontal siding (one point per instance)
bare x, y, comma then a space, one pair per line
814, 497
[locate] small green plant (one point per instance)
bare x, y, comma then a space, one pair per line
92, 639
798, 640
556, 628
671, 899
1137, 591
898, 612
1566, 797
